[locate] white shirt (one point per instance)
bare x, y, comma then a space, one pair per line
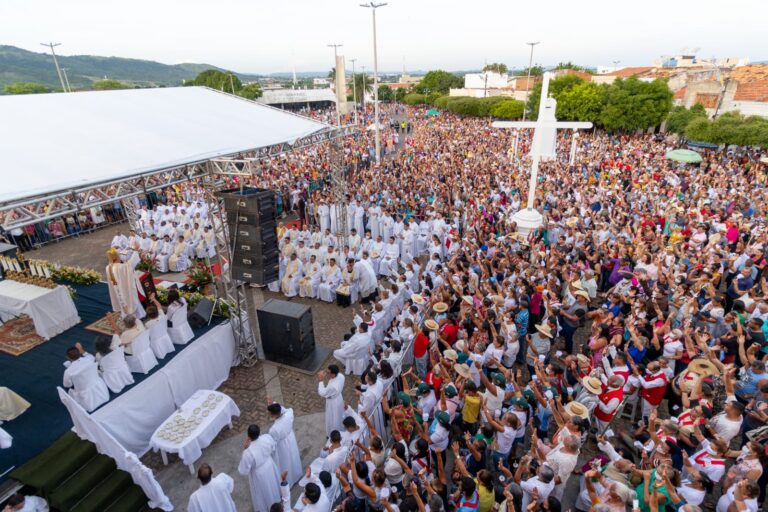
727, 498
533, 483
215, 496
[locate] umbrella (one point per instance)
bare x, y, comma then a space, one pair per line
433, 112
684, 155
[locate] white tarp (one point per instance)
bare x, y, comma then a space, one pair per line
50, 142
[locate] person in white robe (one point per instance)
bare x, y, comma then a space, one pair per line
21, 503
366, 277
324, 212
302, 252
387, 225
124, 286
287, 451
349, 282
389, 258
354, 242
178, 260
332, 390
316, 237
330, 240
309, 283
374, 215
258, 463
294, 271
377, 249
119, 241
423, 238
214, 494
329, 280
355, 352
359, 218
165, 249
407, 242
144, 242
206, 247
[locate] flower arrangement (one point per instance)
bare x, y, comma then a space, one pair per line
146, 263
200, 275
222, 307
74, 275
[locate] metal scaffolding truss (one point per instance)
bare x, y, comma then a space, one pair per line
34, 209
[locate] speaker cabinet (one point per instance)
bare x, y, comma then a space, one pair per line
286, 329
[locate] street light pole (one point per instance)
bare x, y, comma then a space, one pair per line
56, 63
336, 79
528, 89
373, 8
66, 79
354, 89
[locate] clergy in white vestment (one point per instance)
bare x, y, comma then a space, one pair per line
387, 225
355, 429
349, 280
335, 452
374, 213
309, 283
124, 286
354, 242
324, 212
294, 271
408, 243
287, 451
165, 249
258, 463
334, 401
179, 261
329, 280
214, 494
366, 277
20, 503
119, 241
355, 352
389, 257
329, 239
376, 250
302, 252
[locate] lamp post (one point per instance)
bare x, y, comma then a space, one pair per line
354, 89
56, 63
372, 6
335, 78
528, 89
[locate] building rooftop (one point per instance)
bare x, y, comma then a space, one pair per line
751, 73
752, 91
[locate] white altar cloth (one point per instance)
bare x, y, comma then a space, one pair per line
192, 428
134, 416
51, 310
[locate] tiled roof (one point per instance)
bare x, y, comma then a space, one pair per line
680, 94
631, 71
752, 91
751, 73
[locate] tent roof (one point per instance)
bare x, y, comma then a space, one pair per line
52, 142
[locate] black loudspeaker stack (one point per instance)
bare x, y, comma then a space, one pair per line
286, 329
201, 314
252, 222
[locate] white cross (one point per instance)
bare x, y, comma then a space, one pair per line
543, 147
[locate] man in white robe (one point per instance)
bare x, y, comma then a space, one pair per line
214, 494
302, 252
324, 212
389, 258
309, 283
329, 280
179, 261
374, 214
377, 249
359, 218
366, 277
354, 242
165, 249
355, 352
119, 241
287, 451
294, 271
334, 401
258, 464
408, 242
124, 286
349, 281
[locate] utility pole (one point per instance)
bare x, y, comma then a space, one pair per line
66, 79
616, 65
365, 84
372, 6
354, 89
528, 88
336, 68
56, 63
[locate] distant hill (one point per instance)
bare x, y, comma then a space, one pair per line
18, 65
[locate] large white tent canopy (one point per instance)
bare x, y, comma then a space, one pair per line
53, 142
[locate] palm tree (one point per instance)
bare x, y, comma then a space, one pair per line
363, 84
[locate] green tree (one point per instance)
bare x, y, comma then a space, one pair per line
364, 84
496, 67
535, 71
556, 87
332, 74
26, 88
415, 99
109, 85
219, 80
635, 105
386, 93
575, 67
250, 91
582, 102
438, 81
698, 130
508, 109
679, 117
400, 93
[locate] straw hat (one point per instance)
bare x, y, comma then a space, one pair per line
576, 409
468, 299
592, 384
451, 355
582, 359
577, 284
571, 223
431, 325
440, 307
702, 367
462, 370
459, 345
545, 330
582, 293
417, 298
497, 299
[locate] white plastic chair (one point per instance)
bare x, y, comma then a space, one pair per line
143, 359
115, 371
88, 389
159, 339
181, 333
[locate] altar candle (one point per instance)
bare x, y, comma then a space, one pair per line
16, 266
47, 272
33, 269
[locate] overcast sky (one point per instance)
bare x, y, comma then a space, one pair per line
259, 36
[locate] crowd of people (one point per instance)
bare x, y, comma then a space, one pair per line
613, 359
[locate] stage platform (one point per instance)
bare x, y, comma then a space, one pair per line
35, 374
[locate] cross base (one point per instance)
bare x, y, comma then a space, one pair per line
527, 220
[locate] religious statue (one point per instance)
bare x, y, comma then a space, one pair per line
124, 286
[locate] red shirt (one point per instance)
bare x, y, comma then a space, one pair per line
420, 345
450, 332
